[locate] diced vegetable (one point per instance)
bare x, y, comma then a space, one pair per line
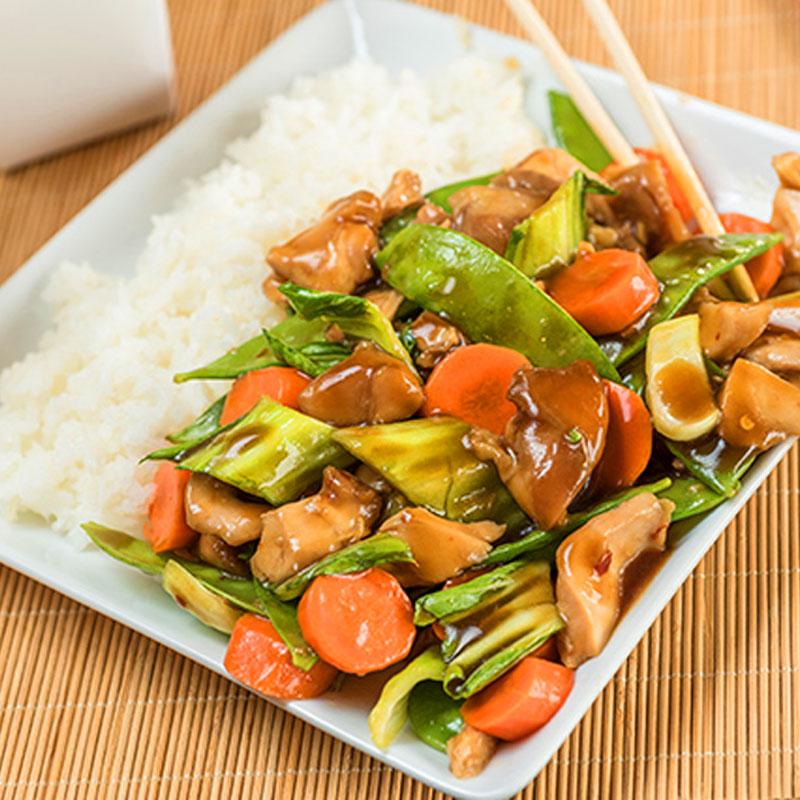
206, 424
471, 383
520, 702
486, 297
678, 390
259, 658
434, 716
361, 622
549, 238
606, 291
427, 461
281, 384
272, 452
574, 134
166, 527
389, 714
764, 269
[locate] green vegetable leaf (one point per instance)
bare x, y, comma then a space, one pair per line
574, 134
292, 356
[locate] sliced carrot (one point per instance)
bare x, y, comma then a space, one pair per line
629, 439
259, 658
471, 383
605, 291
360, 623
521, 701
675, 191
764, 269
282, 384
166, 527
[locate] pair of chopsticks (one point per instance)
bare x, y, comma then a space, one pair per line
664, 134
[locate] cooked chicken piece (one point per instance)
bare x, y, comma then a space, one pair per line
489, 214
554, 163
435, 338
431, 214
215, 508
759, 409
334, 254
387, 300
728, 328
368, 387
779, 353
300, 533
270, 288
470, 752
537, 184
787, 165
214, 551
643, 206
785, 315
404, 191
441, 547
591, 562
553, 442
786, 219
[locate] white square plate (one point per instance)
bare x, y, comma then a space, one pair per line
733, 152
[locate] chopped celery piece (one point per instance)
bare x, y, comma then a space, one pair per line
574, 134
426, 460
272, 452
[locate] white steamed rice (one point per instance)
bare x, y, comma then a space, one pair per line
77, 414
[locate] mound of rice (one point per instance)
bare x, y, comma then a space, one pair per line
77, 414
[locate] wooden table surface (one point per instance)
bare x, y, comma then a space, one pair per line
707, 706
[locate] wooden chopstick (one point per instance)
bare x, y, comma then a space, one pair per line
583, 97
664, 134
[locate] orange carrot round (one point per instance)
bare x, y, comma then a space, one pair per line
166, 527
605, 291
259, 658
675, 191
282, 384
629, 439
471, 383
360, 622
764, 269
521, 701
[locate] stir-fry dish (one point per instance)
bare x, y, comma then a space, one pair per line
460, 453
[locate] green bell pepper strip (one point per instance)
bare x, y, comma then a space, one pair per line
383, 548
390, 712
574, 134
715, 462
434, 716
203, 427
486, 297
681, 270
137, 553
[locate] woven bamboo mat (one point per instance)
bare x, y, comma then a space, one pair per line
708, 705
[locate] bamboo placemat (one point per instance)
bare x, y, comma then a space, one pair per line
707, 706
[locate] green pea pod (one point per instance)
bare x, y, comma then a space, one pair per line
486, 297
380, 549
203, 427
691, 497
533, 543
426, 460
574, 134
434, 716
283, 617
715, 462
681, 270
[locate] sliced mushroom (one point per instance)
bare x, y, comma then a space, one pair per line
368, 387
214, 551
759, 409
787, 165
470, 752
333, 254
591, 562
728, 328
553, 442
526, 180
215, 508
435, 338
441, 547
404, 191
779, 353
785, 313
300, 533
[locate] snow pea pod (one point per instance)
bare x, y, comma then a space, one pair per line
691, 497
716, 463
681, 270
486, 297
205, 425
435, 717
574, 134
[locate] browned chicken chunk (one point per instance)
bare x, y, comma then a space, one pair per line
591, 562
786, 219
300, 533
554, 163
435, 338
405, 189
431, 214
215, 508
759, 409
387, 300
214, 551
368, 387
335, 253
441, 547
470, 752
778, 352
728, 328
787, 165
553, 442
